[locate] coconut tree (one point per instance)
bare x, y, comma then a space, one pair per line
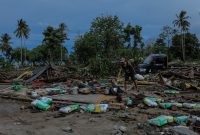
22, 32
183, 24
63, 36
5, 45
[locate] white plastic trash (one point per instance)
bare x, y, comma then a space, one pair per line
34, 94
139, 77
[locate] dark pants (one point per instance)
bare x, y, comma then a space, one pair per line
127, 75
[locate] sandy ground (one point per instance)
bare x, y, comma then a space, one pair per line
17, 121
14, 121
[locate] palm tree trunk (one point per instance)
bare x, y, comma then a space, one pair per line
61, 55
24, 52
168, 46
21, 53
184, 44
182, 48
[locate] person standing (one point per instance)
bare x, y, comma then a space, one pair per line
129, 73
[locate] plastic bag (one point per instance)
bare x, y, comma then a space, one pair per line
161, 120
46, 100
189, 105
139, 77
181, 119
151, 101
89, 107
171, 92
41, 105
69, 109
169, 105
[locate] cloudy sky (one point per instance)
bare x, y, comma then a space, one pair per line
77, 14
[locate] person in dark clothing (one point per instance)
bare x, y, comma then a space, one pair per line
129, 73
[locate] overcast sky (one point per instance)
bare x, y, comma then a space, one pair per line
77, 14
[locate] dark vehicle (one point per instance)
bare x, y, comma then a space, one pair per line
153, 63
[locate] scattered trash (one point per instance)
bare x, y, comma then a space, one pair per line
84, 90
116, 106
190, 105
17, 87
34, 94
161, 120
179, 91
123, 129
54, 89
69, 109
139, 77
171, 92
101, 108
41, 105
170, 105
182, 130
129, 102
68, 130
119, 130
46, 100
89, 107
181, 119
151, 101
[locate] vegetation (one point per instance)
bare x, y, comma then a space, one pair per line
183, 24
5, 45
98, 50
22, 32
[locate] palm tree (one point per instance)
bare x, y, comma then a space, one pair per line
183, 24
22, 32
5, 45
63, 37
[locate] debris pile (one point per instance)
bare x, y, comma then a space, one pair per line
168, 101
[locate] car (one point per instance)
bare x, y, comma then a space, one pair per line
153, 63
